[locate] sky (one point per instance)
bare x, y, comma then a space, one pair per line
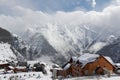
99, 15
53, 5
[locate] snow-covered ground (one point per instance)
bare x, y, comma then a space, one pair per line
41, 76
26, 76
29, 75
81, 78
114, 77
6, 53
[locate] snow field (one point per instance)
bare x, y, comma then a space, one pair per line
6, 53
113, 77
22, 76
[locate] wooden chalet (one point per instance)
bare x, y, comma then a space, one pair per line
102, 65
85, 65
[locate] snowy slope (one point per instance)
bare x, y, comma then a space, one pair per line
6, 54
97, 46
12, 44
22, 48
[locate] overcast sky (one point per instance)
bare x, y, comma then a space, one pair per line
19, 15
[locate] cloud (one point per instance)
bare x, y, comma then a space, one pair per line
115, 2
22, 18
93, 3
107, 19
63, 26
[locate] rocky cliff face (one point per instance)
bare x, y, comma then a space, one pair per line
5, 36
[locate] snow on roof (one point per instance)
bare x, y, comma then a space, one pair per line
67, 66
87, 57
3, 62
20, 67
109, 59
74, 58
2, 71
11, 67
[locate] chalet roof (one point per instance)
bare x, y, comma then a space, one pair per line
2, 71
67, 66
6, 53
87, 57
3, 62
74, 58
11, 67
21, 67
109, 59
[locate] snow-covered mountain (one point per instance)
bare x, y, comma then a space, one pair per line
53, 44
69, 41
60, 42
57, 42
9, 47
20, 46
38, 47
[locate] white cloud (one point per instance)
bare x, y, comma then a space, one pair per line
115, 2
118, 1
109, 17
93, 3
